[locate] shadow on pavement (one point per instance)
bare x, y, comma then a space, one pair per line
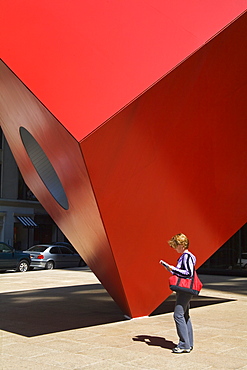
234, 284
154, 341
44, 311
199, 301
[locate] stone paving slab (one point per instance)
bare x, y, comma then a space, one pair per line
64, 319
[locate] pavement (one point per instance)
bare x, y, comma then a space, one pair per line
64, 319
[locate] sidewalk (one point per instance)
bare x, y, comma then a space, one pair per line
64, 319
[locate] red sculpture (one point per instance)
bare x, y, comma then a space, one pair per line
128, 123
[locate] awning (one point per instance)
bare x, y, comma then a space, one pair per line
26, 221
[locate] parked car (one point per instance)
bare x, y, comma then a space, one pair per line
70, 246
50, 256
243, 261
12, 259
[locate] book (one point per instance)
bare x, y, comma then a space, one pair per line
165, 264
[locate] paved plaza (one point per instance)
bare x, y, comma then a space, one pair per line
64, 319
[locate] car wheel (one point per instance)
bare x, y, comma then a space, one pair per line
82, 263
23, 266
49, 265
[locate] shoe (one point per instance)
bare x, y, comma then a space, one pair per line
191, 348
181, 350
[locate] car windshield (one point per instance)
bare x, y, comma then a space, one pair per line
38, 248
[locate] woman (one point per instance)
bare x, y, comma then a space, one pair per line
184, 268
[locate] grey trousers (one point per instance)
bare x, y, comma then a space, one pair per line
182, 320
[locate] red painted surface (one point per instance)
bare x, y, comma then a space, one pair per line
171, 161
175, 160
85, 60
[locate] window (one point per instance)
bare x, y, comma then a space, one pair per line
4, 248
65, 250
55, 250
38, 248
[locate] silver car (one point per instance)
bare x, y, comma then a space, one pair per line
53, 256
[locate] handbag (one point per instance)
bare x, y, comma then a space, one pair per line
187, 285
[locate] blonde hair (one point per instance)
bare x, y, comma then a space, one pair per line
179, 239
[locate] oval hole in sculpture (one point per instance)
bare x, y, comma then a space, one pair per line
44, 168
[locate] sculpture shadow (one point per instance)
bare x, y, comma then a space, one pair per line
44, 311
198, 301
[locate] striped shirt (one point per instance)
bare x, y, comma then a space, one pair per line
185, 265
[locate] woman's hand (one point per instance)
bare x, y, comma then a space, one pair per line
166, 265
169, 268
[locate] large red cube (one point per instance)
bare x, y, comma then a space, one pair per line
128, 123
